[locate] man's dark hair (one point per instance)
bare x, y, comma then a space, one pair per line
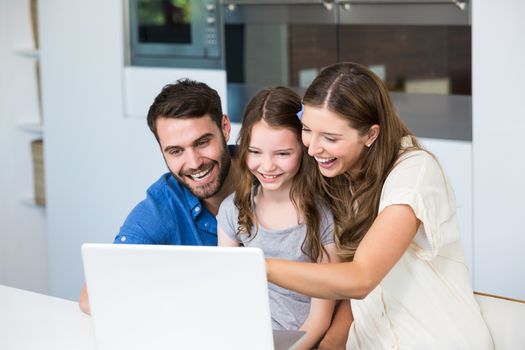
185, 99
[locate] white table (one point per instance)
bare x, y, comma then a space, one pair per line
34, 321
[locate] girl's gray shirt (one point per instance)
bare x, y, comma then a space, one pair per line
289, 309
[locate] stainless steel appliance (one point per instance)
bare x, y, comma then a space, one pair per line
176, 33
415, 46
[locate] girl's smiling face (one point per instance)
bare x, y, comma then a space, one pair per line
274, 156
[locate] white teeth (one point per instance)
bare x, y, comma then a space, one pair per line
324, 160
201, 175
269, 176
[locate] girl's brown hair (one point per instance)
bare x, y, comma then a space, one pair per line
278, 107
359, 96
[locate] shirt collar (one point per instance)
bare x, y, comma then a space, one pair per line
193, 202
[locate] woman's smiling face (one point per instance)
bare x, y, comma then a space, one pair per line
330, 139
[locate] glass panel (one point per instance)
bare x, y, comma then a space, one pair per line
412, 59
164, 21
259, 55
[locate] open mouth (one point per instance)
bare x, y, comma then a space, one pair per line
201, 175
269, 177
325, 162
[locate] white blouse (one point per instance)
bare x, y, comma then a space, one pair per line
426, 300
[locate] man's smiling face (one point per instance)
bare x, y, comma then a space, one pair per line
195, 152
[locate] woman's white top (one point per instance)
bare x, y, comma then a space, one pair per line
426, 300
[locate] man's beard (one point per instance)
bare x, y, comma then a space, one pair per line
210, 189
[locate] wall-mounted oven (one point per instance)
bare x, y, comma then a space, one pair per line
176, 33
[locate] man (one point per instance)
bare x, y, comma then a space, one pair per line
187, 121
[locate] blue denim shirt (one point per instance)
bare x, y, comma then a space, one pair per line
169, 215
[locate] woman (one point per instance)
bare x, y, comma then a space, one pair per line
395, 223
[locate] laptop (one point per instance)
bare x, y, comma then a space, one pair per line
180, 297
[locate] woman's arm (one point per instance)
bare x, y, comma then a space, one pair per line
337, 335
383, 245
321, 310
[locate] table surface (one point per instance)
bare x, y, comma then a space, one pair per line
35, 321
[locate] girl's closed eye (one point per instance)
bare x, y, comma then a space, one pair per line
253, 151
283, 154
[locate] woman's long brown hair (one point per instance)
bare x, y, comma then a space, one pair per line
356, 94
278, 107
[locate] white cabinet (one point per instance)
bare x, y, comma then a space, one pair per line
31, 123
456, 159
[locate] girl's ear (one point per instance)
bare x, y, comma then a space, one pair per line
226, 127
372, 135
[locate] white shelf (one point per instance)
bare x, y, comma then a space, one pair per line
30, 202
35, 127
31, 53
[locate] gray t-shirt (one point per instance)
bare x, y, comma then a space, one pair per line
289, 309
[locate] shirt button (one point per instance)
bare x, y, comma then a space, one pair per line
197, 209
123, 239
206, 224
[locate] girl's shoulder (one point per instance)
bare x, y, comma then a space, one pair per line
326, 217
228, 205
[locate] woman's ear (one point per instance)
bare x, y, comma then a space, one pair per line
372, 135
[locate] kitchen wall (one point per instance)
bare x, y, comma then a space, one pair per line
498, 84
98, 163
23, 237
99, 160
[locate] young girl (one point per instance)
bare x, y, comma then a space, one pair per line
275, 208
395, 223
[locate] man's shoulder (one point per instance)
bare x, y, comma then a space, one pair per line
156, 219
164, 199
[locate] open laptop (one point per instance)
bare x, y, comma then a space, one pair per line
180, 297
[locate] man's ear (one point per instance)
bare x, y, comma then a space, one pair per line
226, 127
